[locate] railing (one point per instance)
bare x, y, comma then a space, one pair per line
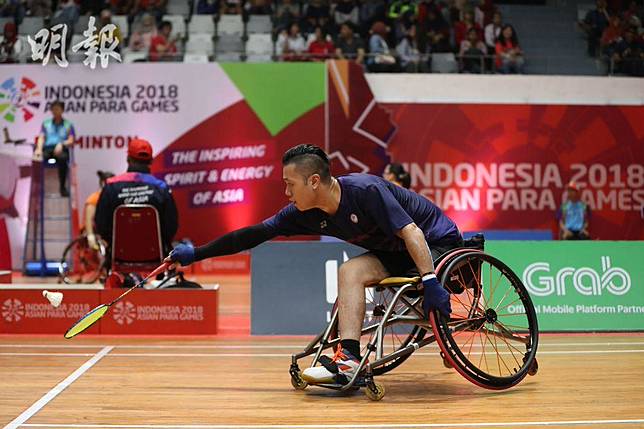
423, 63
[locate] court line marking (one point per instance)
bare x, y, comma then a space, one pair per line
40, 403
347, 426
267, 346
269, 355
47, 354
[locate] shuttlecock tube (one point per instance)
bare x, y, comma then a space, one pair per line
55, 298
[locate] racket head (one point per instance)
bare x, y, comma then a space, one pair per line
87, 321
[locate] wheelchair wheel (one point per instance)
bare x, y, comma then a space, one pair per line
395, 336
492, 334
82, 264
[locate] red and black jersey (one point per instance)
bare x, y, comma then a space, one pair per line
136, 187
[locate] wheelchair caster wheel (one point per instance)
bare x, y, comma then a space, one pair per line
534, 368
297, 382
446, 363
375, 391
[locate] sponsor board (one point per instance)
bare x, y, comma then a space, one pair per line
155, 312
578, 286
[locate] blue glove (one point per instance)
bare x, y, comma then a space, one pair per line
435, 296
183, 253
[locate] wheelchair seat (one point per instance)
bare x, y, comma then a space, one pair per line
397, 281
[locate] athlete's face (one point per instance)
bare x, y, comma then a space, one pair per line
57, 112
388, 175
573, 195
300, 190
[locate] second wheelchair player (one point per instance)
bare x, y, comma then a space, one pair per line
401, 230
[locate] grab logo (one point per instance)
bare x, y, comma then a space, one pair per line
540, 281
13, 310
124, 313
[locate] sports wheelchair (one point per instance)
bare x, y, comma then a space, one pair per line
490, 338
81, 263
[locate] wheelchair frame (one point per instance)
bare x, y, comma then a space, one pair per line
408, 292
81, 243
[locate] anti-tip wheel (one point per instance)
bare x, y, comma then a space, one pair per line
375, 391
298, 382
534, 368
446, 363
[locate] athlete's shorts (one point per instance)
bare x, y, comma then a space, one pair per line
401, 263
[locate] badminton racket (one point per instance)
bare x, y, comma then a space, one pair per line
94, 315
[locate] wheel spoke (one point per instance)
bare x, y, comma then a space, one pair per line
510, 347
505, 338
477, 277
505, 295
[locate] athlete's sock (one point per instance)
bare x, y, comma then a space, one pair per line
353, 346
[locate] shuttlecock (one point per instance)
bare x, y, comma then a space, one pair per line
55, 298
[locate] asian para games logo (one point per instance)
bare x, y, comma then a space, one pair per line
19, 97
124, 313
13, 310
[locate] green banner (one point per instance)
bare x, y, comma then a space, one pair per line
580, 286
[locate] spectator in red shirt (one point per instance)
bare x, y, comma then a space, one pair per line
612, 34
10, 45
509, 56
462, 27
162, 47
320, 48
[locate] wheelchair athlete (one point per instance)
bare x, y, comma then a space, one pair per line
398, 227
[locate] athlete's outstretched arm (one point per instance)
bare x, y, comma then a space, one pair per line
234, 242
228, 244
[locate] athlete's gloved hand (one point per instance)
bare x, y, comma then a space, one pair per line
182, 253
435, 296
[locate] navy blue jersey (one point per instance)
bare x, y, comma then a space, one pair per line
371, 212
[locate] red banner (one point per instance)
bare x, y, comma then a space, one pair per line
171, 311
150, 312
505, 167
28, 312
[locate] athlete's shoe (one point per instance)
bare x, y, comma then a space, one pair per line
339, 369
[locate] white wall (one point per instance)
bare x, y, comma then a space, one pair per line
512, 89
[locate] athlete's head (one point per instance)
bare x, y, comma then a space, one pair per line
139, 154
57, 109
306, 173
572, 189
397, 174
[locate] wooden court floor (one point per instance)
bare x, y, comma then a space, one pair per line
94, 382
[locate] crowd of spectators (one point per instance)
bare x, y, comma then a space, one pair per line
383, 35
614, 33
397, 35
149, 33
